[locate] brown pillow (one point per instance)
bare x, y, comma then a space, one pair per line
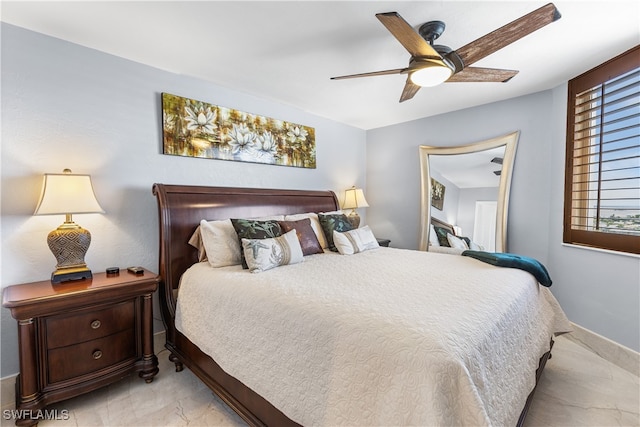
307, 237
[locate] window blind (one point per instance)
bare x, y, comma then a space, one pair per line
602, 190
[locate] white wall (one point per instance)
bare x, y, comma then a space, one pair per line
599, 291
66, 106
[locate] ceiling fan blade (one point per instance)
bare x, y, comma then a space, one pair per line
477, 74
373, 73
503, 36
410, 89
406, 35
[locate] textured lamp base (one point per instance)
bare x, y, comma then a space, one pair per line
69, 244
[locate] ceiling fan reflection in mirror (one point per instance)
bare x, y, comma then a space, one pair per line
431, 64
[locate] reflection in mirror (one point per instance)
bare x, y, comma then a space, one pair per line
474, 182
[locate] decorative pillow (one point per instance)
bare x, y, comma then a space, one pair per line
196, 241
331, 223
220, 243
307, 237
475, 247
265, 254
354, 241
433, 237
196, 238
441, 233
338, 212
456, 242
269, 218
315, 224
254, 229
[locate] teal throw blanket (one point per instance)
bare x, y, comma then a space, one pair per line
499, 259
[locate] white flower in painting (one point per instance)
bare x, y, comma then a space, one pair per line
241, 138
267, 143
201, 119
297, 134
169, 120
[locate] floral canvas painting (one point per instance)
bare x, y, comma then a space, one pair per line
197, 129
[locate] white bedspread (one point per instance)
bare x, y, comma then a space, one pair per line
384, 337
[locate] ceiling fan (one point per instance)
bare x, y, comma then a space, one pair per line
498, 161
431, 64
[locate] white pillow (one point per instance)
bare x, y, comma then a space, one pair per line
456, 242
476, 247
220, 242
354, 241
196, 241
433, 237
315, 224
265, 254
269, 218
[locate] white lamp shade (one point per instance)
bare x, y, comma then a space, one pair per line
431, 75
354, 199
67, 194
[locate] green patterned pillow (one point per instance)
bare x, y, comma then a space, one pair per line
255, 229
442, 235
331, 223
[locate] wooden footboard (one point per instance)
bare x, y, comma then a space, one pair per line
541, 365
253, 408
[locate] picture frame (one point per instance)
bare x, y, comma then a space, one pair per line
195, 128
437, 194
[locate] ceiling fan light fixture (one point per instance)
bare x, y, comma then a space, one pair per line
431, 74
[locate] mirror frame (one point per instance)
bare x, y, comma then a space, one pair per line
510, 142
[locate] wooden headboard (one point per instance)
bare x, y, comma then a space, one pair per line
438, 223
182, 207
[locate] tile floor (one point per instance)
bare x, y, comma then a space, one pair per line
578, 388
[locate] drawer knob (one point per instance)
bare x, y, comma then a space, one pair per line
97, 354
96, 324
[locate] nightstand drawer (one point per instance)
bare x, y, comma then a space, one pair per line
87, 357
65, 330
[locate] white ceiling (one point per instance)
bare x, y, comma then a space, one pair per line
472, 170
286, 51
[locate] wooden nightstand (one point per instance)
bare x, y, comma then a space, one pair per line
383, 242
75, 337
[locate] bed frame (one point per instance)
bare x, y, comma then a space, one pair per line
438, 223
181, 208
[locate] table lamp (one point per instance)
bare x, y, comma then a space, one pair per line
68, 194
354, 199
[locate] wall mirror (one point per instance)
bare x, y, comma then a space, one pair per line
471, 184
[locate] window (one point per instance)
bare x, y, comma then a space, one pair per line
602, 176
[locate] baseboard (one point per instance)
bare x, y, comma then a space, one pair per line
8, 384
619, 355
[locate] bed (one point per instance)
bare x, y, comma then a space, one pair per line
354, 383
434, 244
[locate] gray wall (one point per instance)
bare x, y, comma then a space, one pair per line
599, 291
66, 106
